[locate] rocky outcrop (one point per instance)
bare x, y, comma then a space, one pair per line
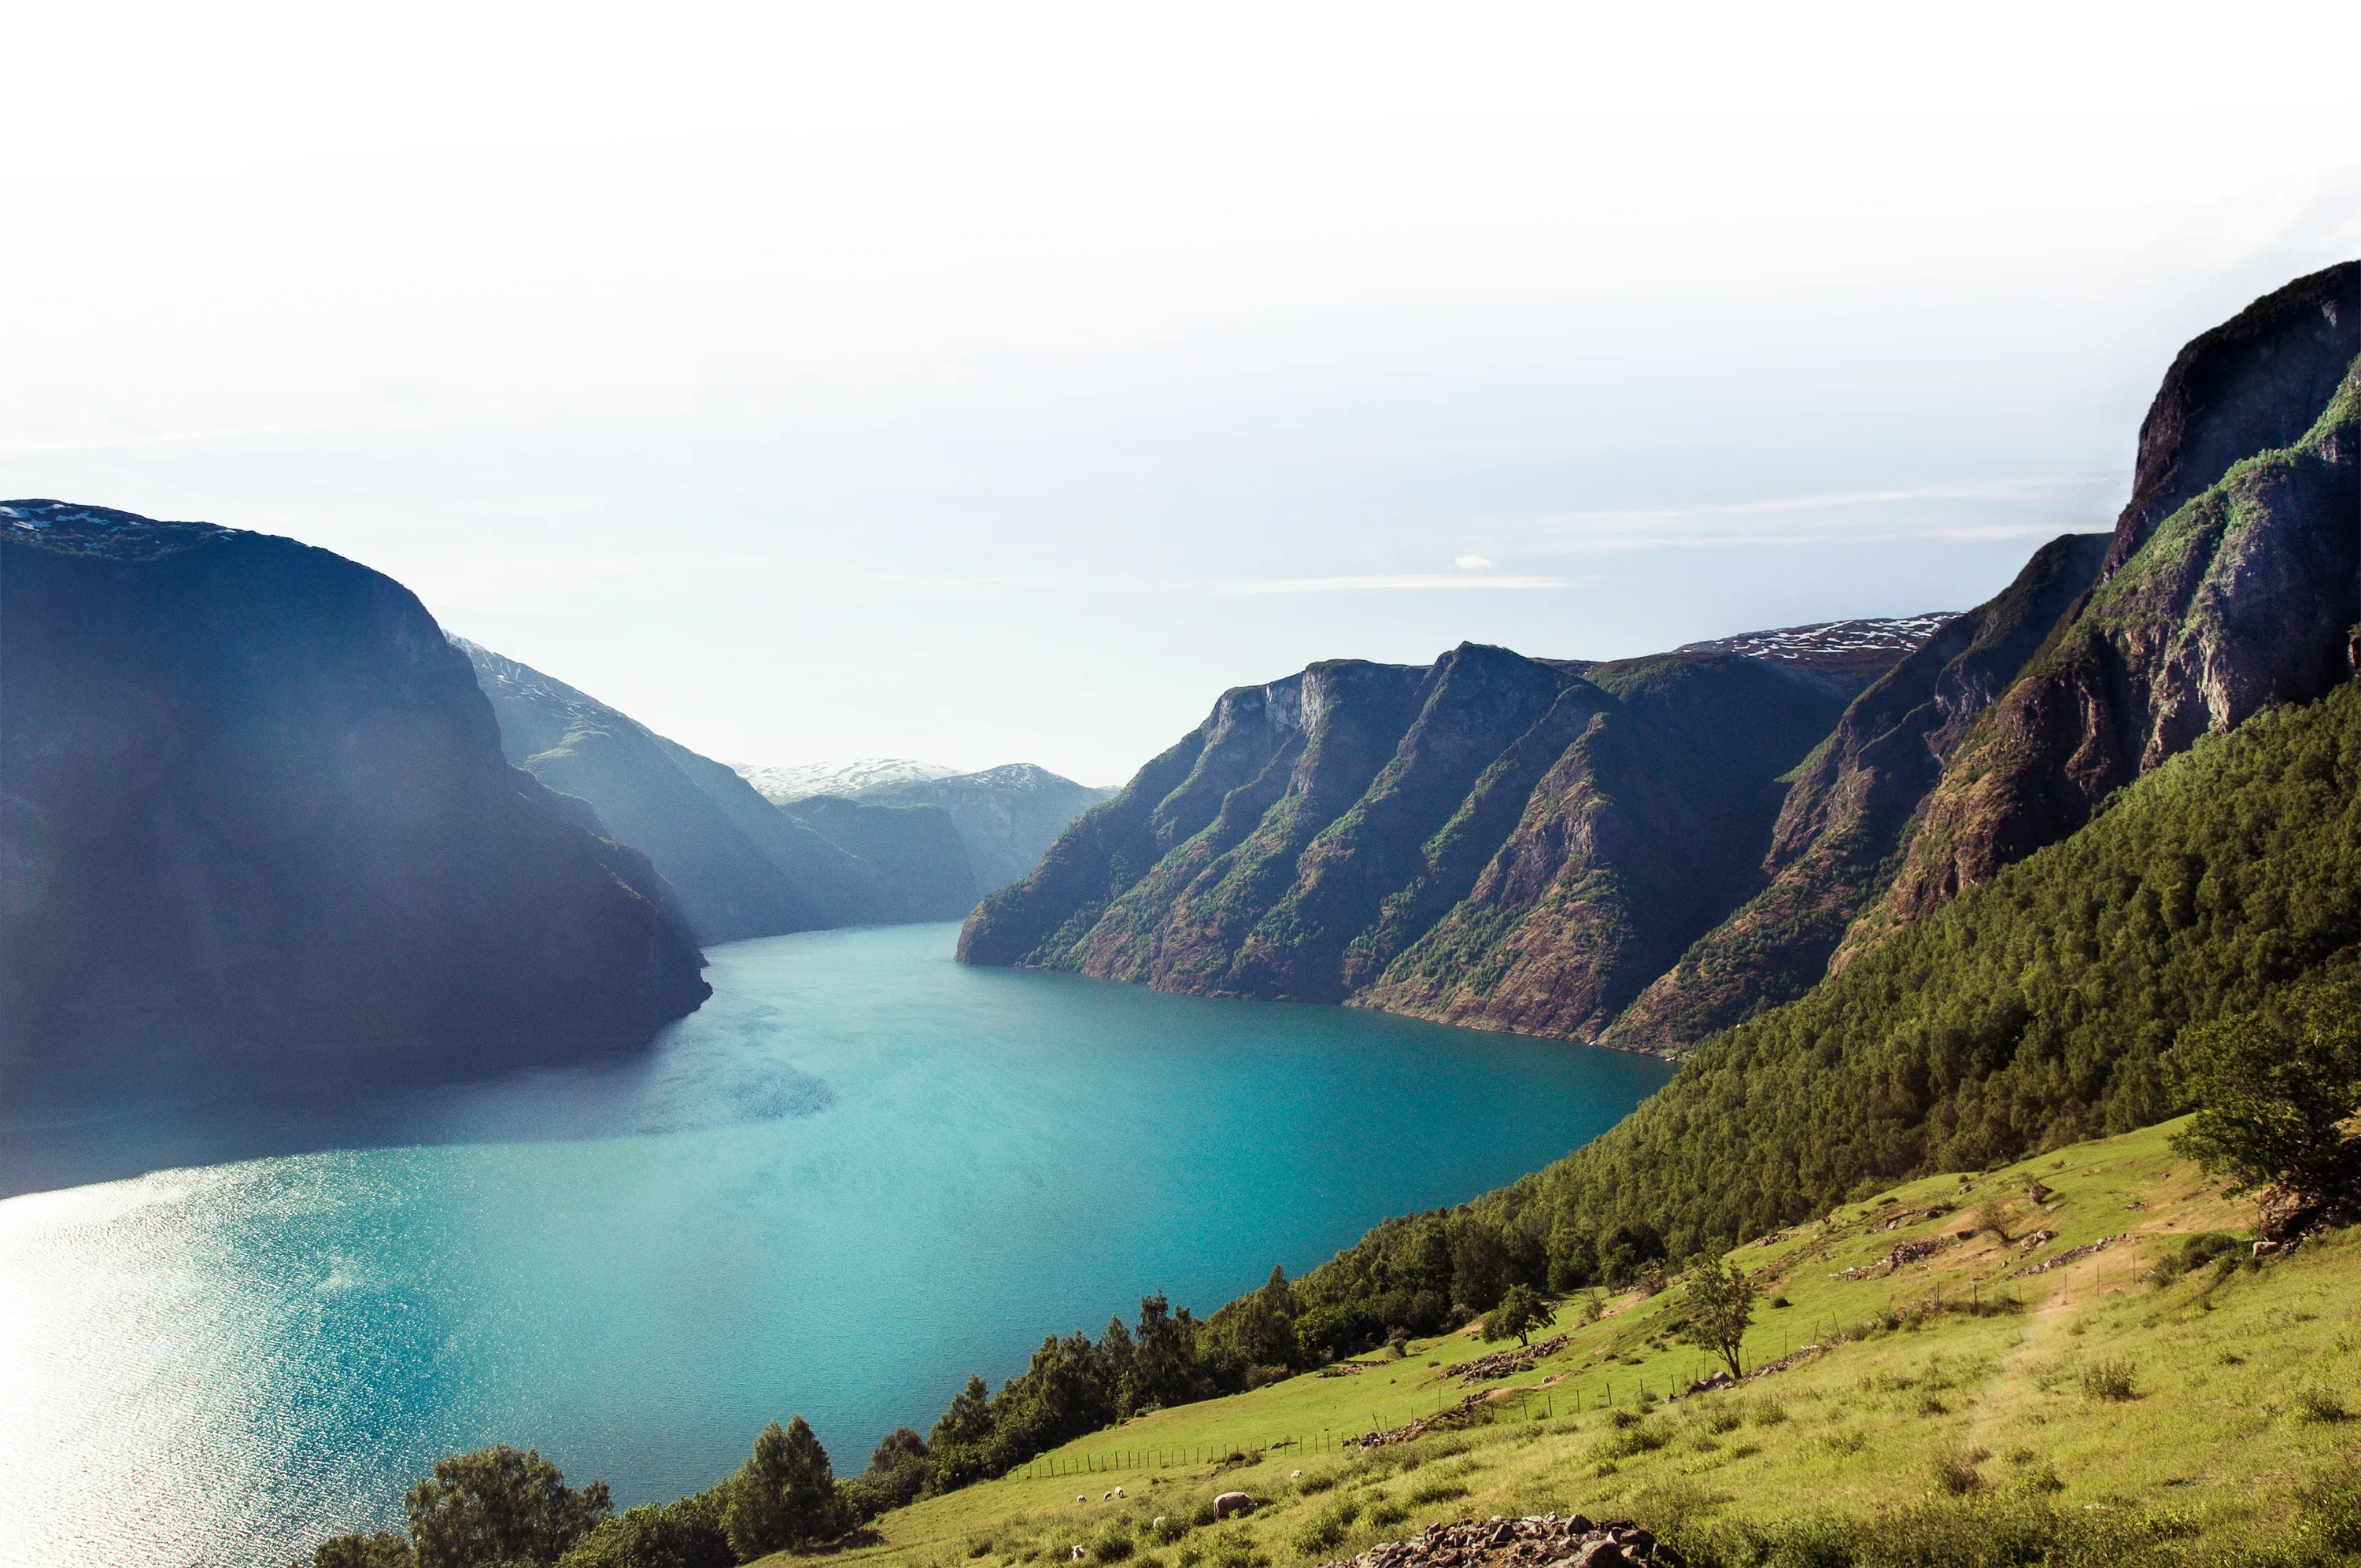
253, 809
1541, 1541
2232, 581
1514, 843
1853, 804
740, 865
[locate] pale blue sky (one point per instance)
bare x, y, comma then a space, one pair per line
992, 385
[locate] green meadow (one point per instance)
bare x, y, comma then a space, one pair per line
2193, 1411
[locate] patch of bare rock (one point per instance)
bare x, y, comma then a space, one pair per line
1547, 1542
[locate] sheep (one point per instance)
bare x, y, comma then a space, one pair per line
1230, 1503
1295, 1475
1080, 1499
1118, 1492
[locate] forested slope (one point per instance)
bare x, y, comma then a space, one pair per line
2031, 1011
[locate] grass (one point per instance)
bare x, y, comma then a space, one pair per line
2211, 1402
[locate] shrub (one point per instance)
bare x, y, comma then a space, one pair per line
2328, 1511
1169, 1528
1955, 1470
1769, 1413
1632, 1442
2314, 1403
1851, 1442
1928, 1405
1435, 1492
1387, 1515
1324, 1532
1112, 1546
2108, 1378
1312, 1486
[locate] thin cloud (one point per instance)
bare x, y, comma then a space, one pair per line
1394, 582
2002, 508
1470, 563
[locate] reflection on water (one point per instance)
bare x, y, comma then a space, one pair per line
859, 1173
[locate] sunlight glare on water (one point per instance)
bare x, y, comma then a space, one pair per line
860, 1172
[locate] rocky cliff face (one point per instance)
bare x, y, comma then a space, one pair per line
1852, 807
253, 807
1494, 840
2230, 583
740, 865
1644, 853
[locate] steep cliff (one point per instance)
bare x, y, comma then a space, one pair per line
2232, 581
255, 809
740, 865
1853, 804
1494, 840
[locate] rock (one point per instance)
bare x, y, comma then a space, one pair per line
1601, 1554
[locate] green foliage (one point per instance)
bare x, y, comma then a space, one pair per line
784, 1496
899, 1470
378, 1551
2271, 1085
1520, 1311
1720, 1304
685, 1534
499, 1507
2109, 1378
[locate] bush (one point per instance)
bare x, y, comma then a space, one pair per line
2109, 1378
2314, 1403
685, 1534
1632, 1442
2328, 1518
1435, 1492
1324, 1531
1387, 1515
1769, 1413
1955, 1470
1113, 1546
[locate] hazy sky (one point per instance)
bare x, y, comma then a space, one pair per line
985, 383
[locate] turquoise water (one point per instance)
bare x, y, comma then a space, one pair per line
859, 1173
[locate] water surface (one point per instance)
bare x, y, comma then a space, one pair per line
858, 1173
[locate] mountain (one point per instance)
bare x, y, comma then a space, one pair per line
1851, 807
2233, 582
1007, 816
256, 810
1490, 840
785, 786
1645, 852
742, 866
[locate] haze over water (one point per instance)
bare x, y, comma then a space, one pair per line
858, 1173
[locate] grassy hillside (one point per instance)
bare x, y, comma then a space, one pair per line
2180, 1419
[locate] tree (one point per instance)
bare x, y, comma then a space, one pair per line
784, 1496
685, 1534
497, 1508
378, 1551
1720, 1305
1520, 1311
2271, 1087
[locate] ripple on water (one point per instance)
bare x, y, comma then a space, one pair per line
633, 1266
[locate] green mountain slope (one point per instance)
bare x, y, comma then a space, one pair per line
1513, 842
2030, 1011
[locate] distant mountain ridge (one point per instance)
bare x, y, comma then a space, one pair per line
740, 866
253, 811
1644, 852
915, 842
801, 781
